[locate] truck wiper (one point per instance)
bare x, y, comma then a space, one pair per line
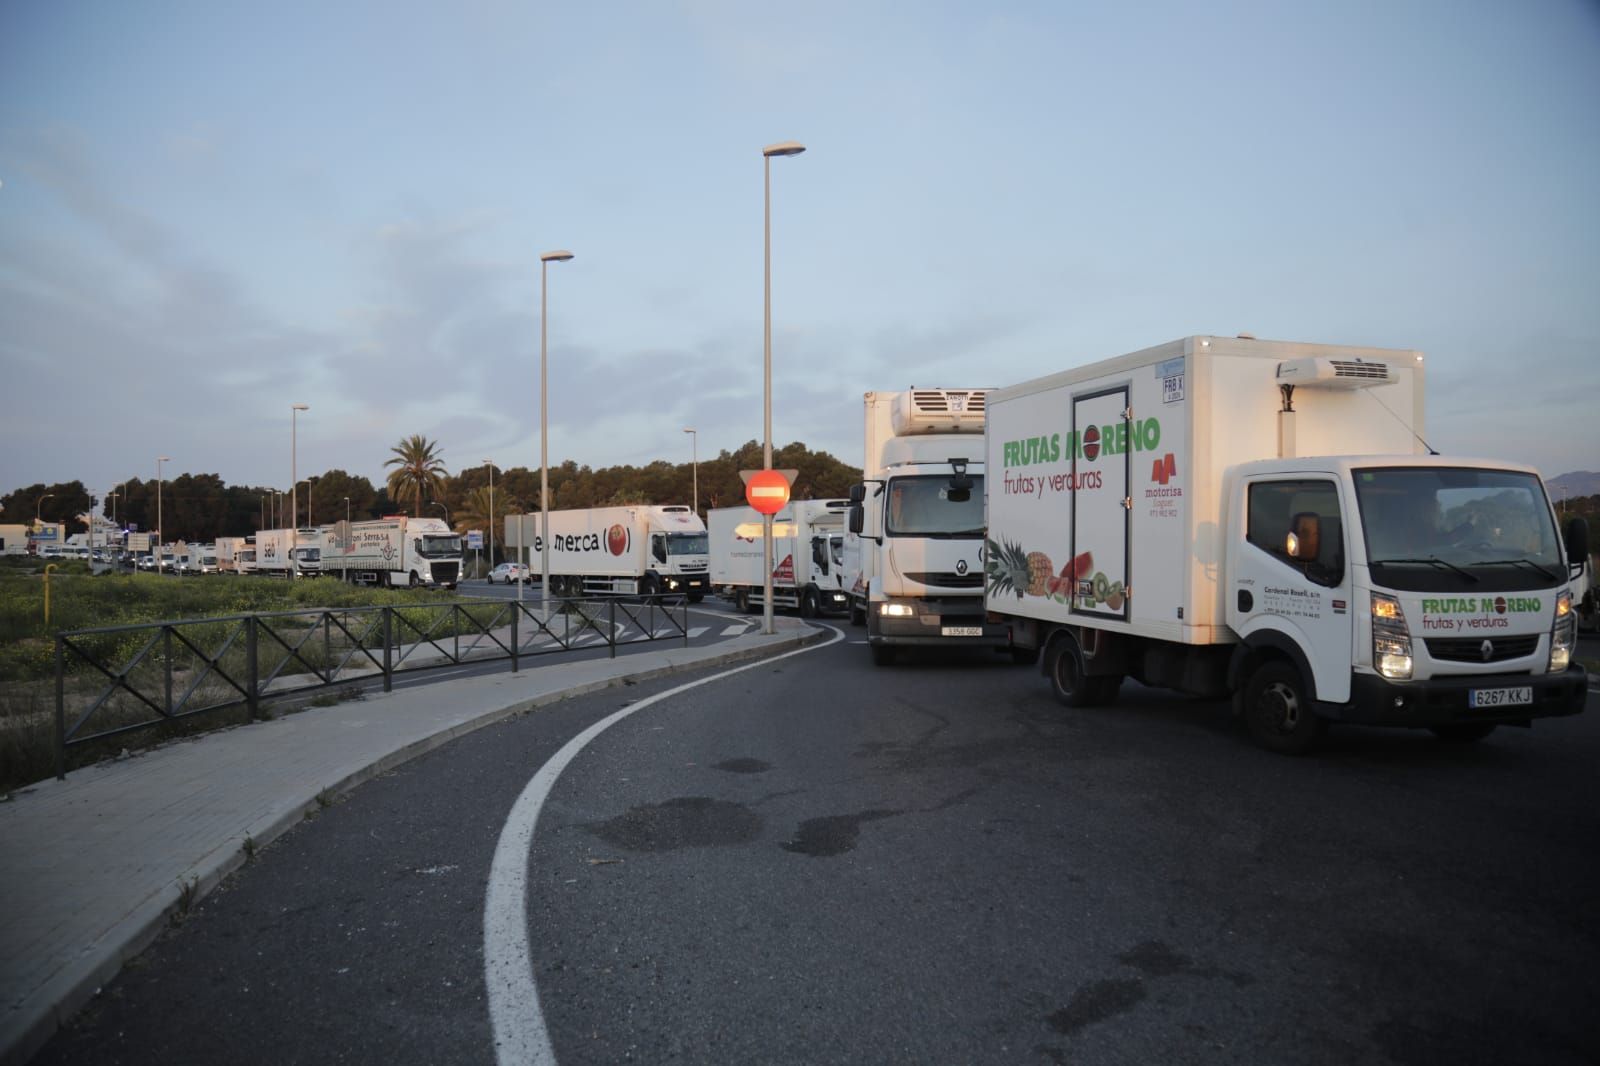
1432, 560
1543, 571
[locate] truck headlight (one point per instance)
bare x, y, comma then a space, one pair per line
895, 610
1391, 640
1562, 634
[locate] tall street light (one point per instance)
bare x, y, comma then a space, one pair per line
160, 535
38, 505
694, 439
347, 510
544, 424
442, 507
294, 474
781, 149
490, 464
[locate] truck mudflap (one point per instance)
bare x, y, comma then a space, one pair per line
1503, 699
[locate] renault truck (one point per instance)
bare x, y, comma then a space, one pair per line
914, 554
807, 556
1265, 521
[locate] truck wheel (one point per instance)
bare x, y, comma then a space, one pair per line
696, 597
413, 579
1463, 732
858, 615
882, 654
808, 604
741, 601
1277, 711
650, 587
1067, 679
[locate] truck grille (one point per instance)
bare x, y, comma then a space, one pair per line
1470, 649
947, 579
694, 568
446, 573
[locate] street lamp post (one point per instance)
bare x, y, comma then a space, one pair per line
347, 510
781, 149
490, 464
160, 533
38, 506
694, 439
442, 507
544, 424
294, 473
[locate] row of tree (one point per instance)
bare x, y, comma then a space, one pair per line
201, 507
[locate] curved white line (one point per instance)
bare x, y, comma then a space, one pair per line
515, 1017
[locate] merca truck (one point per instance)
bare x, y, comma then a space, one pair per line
1262, 520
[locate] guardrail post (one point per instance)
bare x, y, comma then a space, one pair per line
252, 668
327, 646
686, 621
166, 654
455, 624
388, 665
514, 664
611, 633
61, 709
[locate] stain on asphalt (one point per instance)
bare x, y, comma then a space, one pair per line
687, 822
1155, 959
1095, 1003
836, 834
742, 766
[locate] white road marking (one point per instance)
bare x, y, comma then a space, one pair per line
515, 1017
735, 630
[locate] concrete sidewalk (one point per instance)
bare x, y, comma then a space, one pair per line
92, 867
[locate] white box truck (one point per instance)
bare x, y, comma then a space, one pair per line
228, 549
1263, 519
914, 558
617, 551
392, 551
807, 556
276, 551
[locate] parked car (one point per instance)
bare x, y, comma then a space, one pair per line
509, 572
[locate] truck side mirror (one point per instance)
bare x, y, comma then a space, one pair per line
858, 493
857, 520
1577, 538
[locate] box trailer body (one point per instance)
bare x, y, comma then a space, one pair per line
228, 549
914, 555
279, 552
393, 551
1264, 519
617, 551
807, 556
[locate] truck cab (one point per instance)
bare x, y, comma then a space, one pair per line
1407, 590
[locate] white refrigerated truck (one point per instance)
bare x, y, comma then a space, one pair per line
807, 555
392, 551
1263, 519
914, 555
617, 551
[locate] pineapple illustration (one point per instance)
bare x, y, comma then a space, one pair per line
1011, 569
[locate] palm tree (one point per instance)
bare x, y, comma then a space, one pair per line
418, 472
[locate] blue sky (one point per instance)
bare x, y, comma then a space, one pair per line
210, 211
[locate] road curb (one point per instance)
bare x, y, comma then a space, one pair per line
36, 1018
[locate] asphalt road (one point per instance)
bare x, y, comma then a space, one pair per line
820, 861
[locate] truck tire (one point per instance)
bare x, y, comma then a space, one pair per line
1277, 710
858, 614
696, 597
1463, 732
808, 604
413, 579
1064, 667
650, 587
882, 654
741, 601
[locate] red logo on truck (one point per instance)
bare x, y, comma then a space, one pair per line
1164, 469
617, 539
1091, 443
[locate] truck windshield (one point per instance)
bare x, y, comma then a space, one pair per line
1437, 528
439, 546
926, 506
688, 543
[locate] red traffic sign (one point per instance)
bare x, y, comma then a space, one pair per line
767, 491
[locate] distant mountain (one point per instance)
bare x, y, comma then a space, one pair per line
1578, 483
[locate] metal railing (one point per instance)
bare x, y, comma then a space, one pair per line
116, 680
